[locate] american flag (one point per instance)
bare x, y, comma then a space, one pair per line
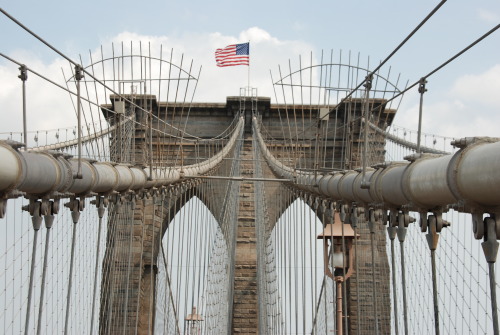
234, 54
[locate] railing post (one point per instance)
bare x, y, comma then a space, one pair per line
24, 76
368, 86
78, 77
421, 90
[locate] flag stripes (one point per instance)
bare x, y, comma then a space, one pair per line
234, 54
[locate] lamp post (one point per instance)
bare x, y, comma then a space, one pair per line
193, 323
337, 252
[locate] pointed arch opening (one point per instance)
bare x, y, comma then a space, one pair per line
299, 266
193, 267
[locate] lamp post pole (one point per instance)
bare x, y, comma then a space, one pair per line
338, 233
338, 281
193, 323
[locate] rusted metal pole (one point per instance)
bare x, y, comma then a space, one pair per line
338, 281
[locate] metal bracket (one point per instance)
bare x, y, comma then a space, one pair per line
343, 214
490, 244
432, 236
371, 220
433, 223
315, 202
379, 215
354, 216
323, 208
36, 214
404, 219
75, 206
368, 82
423, 221
24, 72
3, 200
421, 86
49, 218
393, 224
3, 208
78, 72
441, 223
478, 225
101, 203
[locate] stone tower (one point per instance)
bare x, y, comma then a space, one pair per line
141, 232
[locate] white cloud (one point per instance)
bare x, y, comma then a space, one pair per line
216, 83
470, 107
51, 108
488, 16
257, 35
483, 87
47, 107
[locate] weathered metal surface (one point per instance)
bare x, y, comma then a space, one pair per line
470, 177
45, 172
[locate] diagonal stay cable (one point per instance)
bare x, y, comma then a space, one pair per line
451, 59
192, 137
71, 61
352, 91
438, 68
393, 52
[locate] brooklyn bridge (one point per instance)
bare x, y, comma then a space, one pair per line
309, 212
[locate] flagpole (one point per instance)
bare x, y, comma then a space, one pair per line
249, 67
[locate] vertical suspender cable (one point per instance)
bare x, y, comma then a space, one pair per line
141, 260
75, 215
432, 241
391, 230
493, 288
371, 225
401, 237
490, 249
295, 261
354, 219
175, 237
311, 233
151, 318
434, 290
107, 282
315, 204
344, 283
188, 258
37, 222
49, 220
304, 248
100, 213
131, 232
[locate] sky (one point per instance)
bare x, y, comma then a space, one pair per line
463, 99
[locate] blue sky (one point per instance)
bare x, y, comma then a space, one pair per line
463, 98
